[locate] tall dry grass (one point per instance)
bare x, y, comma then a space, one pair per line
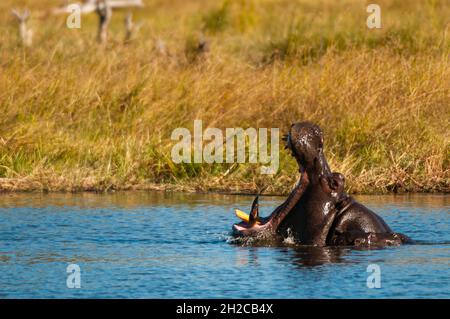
79, 116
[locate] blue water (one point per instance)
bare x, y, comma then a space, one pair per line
156, 245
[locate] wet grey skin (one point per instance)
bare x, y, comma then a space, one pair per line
318, 211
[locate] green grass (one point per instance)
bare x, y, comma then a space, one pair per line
76, 115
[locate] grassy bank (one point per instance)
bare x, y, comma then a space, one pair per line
76, 115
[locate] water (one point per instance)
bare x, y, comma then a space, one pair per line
156, 245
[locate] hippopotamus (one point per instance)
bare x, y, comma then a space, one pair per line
318, 211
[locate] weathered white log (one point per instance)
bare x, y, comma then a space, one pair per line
25, 33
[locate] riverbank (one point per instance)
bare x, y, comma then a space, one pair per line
79, 116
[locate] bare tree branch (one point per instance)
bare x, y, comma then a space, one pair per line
25, 33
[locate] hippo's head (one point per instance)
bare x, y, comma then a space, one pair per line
305, 140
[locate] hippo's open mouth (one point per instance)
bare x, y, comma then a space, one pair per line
264, 227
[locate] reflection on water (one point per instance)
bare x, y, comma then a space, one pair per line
160, 245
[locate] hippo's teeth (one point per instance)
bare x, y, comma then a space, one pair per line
244, 217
